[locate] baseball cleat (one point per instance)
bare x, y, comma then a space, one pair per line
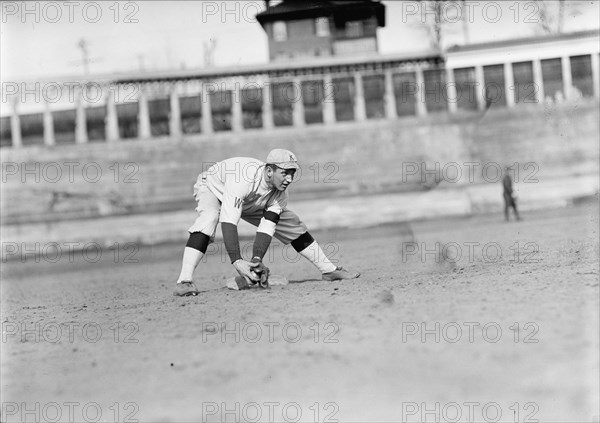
185, 289
340, 273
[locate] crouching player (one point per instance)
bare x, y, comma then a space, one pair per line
249, 189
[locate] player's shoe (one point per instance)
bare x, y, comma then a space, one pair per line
185, 289
340, 273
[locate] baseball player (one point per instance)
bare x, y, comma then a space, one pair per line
509, 198
249, 189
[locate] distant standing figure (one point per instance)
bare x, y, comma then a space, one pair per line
509, 199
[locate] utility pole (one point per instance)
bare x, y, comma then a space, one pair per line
141, 62
209, 52
85, 59
465, 22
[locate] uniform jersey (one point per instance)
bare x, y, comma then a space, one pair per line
239, 185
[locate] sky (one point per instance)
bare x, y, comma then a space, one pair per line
137, 36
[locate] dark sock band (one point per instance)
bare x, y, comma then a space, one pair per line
198, 241
302, 241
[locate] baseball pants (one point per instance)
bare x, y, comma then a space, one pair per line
289, 227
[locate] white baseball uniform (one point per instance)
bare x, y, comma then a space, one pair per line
235, 189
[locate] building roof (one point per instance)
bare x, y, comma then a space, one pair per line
523, 41
270, 68
341, 10
274, 68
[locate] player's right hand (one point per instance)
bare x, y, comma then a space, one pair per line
245, 269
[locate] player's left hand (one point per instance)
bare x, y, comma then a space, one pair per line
262, 272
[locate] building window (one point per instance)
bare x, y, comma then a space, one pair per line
435, 90
552, 77
374, 93
280, 31
283, 96
524, 87
405, 92
322, 27
323, 51
493, 76
581, 71
313, 94
354, 29
466, 86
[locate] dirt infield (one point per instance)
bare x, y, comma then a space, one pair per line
508, 332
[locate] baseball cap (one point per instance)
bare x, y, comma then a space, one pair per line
284, 159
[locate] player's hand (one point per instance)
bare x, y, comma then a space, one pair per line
246, 270
262, 271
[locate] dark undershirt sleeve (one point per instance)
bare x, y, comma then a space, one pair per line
261, 245
231, 240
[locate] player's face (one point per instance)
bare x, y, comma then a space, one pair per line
282, 178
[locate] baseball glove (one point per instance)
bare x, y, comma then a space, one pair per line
263, 272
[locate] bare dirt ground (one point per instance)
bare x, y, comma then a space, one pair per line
509, 332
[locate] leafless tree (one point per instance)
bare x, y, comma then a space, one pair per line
551, 14
546, 16
438, 16
561, 15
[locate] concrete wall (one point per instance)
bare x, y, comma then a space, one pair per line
43, 184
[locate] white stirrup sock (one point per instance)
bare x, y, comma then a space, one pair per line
191, 258
316, 256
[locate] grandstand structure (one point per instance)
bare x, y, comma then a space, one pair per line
318, 89
532, 103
